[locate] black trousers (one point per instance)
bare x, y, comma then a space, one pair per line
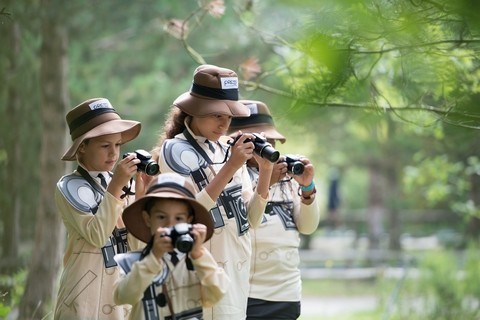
262, 309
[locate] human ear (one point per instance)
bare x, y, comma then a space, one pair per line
81, 148
146, 218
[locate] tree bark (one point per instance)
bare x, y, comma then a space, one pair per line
46, 259
376, 205
11, 201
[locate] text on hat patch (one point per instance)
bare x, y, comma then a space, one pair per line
229, 83
252, 107
100, 104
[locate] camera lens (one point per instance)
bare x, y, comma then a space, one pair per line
152, 168
269, 153
184, 243
297, 168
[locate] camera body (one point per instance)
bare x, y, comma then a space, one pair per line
294, 165
147, 165
181, 237
262, 147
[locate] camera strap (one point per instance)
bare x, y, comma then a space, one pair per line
200, 151
92, 183
119, 236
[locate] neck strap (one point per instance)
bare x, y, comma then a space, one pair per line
199, 149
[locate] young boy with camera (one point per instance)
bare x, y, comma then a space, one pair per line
175, 275
90, 201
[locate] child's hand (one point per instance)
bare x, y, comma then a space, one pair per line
124, 171
161, 243
142, 180
241, 151
279, 171
308, 173
199, 233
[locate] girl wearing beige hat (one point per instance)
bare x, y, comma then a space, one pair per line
275, 282
90, 201
193, 145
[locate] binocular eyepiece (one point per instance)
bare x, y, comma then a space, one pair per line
147, 165
262, 147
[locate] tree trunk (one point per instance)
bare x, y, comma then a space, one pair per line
11, 200
376, 206
393, 167
393, 208
45, 262
473, 227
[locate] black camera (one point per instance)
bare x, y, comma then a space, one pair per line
146, 164
181, 238
294, 165
262, 147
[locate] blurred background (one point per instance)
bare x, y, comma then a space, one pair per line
382, 96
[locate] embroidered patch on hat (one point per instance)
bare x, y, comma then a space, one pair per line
253, 108
100, 104
229, 83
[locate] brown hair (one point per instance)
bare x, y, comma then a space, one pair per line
174, 124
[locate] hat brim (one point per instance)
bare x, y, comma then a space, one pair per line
201, 106
269, 131
133, 220
129, 130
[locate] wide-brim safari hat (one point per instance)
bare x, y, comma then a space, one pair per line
165, 186
260, 120
93, 118
214, 91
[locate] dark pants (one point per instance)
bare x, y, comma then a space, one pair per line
262, 309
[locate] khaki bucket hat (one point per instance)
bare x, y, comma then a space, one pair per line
93, 118
260, 120
165, 186
214, 91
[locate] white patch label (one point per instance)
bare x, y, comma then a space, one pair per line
229, 83
253, 108
171, 178
100, 104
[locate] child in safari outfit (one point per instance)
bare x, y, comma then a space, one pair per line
275, 282
90, 201
192, 146
169, 280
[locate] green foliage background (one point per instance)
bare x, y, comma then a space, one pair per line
354, 85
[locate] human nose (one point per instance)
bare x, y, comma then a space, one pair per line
172, 221
114, 150
225, 122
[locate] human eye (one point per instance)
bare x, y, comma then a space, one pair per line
160, 216
181, 218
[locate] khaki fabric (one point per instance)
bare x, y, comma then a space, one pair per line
186, 289
230, 250
275, 245
85, 288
